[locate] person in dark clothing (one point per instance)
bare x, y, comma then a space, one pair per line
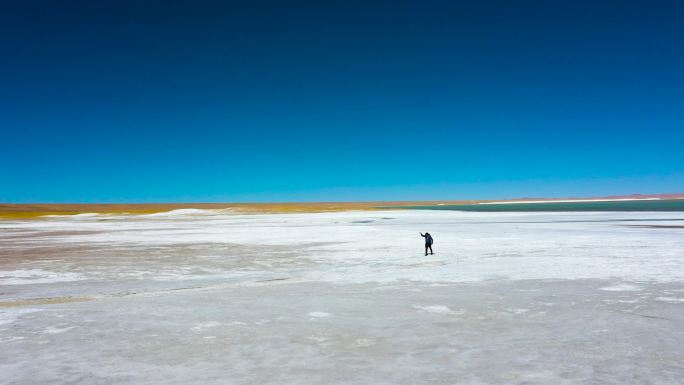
428, 242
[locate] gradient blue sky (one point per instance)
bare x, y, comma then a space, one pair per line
157, 101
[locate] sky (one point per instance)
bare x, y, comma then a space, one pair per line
202, 101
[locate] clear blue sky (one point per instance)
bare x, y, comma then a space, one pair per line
144, 101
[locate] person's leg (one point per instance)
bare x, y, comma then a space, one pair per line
431, 250
426, 248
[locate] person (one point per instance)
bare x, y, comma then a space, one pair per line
428, 242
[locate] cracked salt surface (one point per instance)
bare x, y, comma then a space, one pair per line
211, 297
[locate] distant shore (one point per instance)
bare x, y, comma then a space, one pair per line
10, 211
36, 210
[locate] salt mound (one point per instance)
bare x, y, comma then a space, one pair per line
74, 216
180, 212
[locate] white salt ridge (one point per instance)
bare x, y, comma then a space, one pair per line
56, 330
183, 212
75, 216
205, 325
670, 299
36, 276
437, 309
621, 287
319, 314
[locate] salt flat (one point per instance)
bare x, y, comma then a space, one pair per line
201, 296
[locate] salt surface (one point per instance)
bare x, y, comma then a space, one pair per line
9, 315
201, 296
469, 246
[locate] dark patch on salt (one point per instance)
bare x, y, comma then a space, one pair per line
274, 279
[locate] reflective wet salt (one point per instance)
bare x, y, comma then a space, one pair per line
196, 296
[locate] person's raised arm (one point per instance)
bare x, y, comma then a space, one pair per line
421, 234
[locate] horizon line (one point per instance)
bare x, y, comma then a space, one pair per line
675, 195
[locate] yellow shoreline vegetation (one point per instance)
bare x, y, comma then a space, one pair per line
37, 210
30, 211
